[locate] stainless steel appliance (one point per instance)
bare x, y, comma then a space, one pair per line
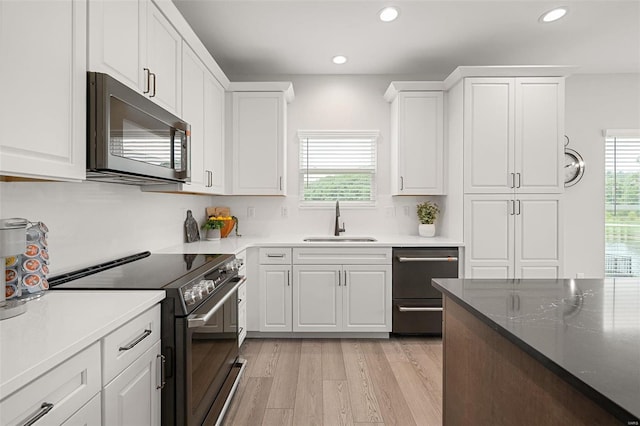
417, 305
199, 325
132, 140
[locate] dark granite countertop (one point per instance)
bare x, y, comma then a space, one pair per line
585, 330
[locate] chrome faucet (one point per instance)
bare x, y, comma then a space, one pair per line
338, 230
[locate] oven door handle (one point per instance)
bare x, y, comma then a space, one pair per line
402, 259
419, 309
194, 321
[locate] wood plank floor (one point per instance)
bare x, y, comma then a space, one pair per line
340, 382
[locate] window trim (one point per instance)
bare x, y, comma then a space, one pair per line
336, 134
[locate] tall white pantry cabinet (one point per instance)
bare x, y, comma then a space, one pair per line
513, 182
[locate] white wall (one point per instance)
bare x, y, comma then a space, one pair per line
593, 103
91, 222
332, 103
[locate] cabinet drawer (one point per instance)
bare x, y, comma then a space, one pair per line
275, 256
342, 256
68, 387
123, 346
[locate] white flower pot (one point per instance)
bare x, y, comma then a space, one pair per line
213, 234
427, 229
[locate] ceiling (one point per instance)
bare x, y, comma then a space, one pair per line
428, 40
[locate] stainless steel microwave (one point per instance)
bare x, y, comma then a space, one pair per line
132, 140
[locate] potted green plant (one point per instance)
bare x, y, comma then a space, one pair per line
213, 227
427, 215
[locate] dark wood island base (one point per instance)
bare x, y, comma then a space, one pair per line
488, 380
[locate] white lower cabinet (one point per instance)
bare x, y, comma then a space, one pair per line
89, 415
133, 397
132, 372
342, 298
513, 237
58, 394
275, 297
342, 289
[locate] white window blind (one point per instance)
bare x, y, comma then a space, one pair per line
622, 204
338, 166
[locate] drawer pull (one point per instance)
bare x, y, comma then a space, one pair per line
135, 342
275, 255
419, 309
42, 411
163, 361
427, 259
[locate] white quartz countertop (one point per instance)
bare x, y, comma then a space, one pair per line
60, 324
234, 245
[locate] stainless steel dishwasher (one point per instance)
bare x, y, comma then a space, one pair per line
417, 305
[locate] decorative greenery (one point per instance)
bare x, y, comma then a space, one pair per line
213, 223
428, 212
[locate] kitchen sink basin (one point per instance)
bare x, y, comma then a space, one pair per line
341, 239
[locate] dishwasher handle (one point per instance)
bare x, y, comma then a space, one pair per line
404, 259
420, 308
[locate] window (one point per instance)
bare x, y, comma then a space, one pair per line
622, 203
338, 165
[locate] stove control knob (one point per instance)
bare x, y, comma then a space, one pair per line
189, 298
210, 285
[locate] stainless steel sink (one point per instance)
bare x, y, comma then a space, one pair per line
341, 239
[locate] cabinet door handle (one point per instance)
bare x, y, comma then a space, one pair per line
288, 278
401, 183
513, 180
345, 278
275, 255
339, 279
239, 301
419, 309
240, 330
136, 341
512, 211
280, 183
519, 179
42, 411
162, 363
519, 207
154, 84
147, 74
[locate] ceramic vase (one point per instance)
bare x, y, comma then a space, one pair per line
427, 229
213, 234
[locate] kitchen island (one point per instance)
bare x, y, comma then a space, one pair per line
541, 351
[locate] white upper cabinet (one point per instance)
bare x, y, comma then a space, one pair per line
117, 34
417, 143
43, 89
164, 46
203, 108
214, 119
132, 41
193, 112
513, 135
259, 140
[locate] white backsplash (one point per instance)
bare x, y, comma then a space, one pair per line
91, 222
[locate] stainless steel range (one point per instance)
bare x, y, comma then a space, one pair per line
199, 325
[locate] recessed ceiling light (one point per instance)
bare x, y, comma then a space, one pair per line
339, 60
553, 15
388, 14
